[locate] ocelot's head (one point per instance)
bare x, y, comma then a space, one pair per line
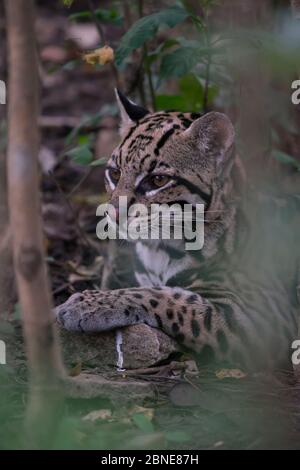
172, 157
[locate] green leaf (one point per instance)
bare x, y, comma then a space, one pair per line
177, 436
170, 102
180, 62
81, 154
285, 158
106, 16
192, 90
98, 162
146, 28
143, 422
190, 98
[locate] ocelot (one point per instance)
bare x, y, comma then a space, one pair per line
233, 300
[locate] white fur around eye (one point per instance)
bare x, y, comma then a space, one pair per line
139, 179
111, 184
155, 191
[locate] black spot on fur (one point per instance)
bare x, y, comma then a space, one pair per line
180, 318
195, 328
170, 314
152, 165
180, 337
177, 296
137, 318
207, 318
137, 296
192, 299
127, 313
175, 328
183, 309
153, 303
159, 322
229, 316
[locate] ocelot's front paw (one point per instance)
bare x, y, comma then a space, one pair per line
93, 311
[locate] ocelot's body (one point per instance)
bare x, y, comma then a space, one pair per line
236, 299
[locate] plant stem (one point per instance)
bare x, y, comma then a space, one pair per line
96, 21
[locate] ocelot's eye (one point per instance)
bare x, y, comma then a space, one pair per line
114, 175
159, 181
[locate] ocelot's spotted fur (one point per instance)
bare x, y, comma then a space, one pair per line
236, 299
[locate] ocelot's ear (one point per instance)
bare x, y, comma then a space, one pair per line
214, 134
130, 112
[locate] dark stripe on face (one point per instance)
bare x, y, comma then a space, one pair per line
195, 190
144, 158
164, 139
129, 134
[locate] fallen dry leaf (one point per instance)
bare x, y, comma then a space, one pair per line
103, 55
148, 412
76, 370
230, 373
85, 272
96, 415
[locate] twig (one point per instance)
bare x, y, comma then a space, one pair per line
80, 182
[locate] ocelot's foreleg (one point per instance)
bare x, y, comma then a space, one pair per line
189, 318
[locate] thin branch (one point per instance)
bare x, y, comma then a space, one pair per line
80, 183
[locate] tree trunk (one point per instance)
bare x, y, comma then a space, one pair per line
45, 365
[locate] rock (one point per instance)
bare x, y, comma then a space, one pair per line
142, 346
118, 390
